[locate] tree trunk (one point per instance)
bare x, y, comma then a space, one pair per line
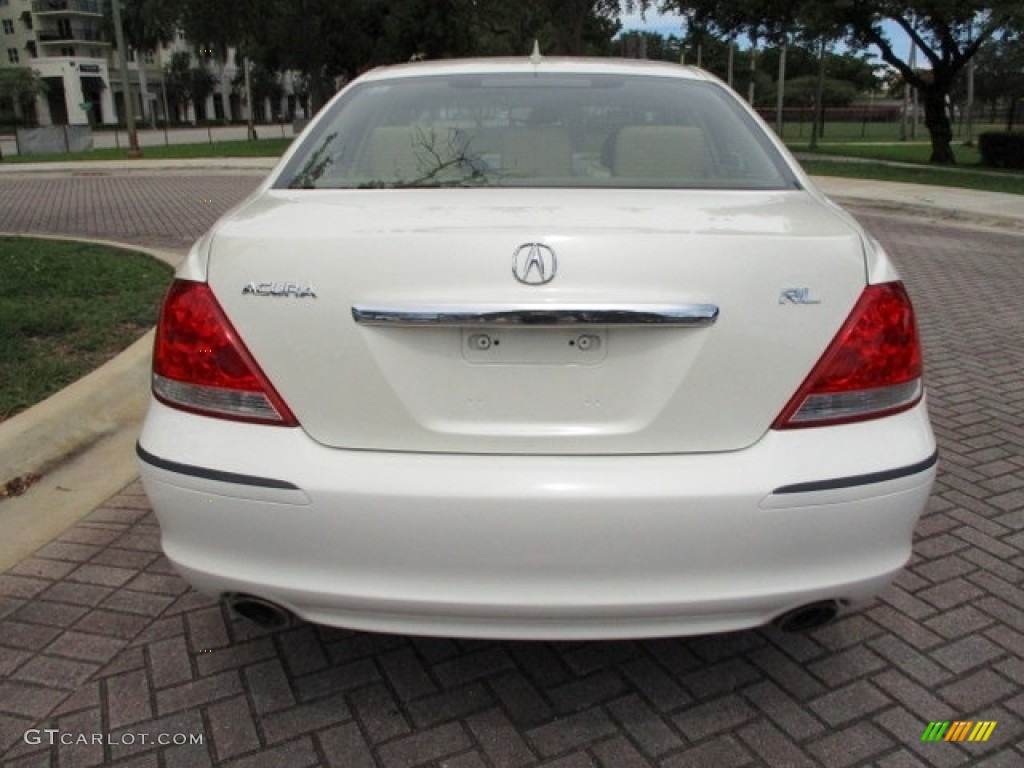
936, 119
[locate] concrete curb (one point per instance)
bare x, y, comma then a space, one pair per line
962, 207
80, 440
82, 413
85, 411
93, 167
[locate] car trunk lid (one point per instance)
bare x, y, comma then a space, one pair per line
675, 321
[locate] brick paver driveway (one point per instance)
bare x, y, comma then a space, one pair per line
104, 653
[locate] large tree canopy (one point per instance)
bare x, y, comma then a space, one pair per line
332, 40
947, 33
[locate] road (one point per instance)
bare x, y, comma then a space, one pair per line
97, 635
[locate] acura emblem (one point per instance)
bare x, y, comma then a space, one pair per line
534, 264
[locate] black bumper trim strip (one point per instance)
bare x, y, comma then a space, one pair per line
855, 480
212, 474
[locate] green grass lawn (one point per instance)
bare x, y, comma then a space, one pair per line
963, 178
65, 309
860, 160
917, 152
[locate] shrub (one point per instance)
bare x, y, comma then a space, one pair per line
1002, 150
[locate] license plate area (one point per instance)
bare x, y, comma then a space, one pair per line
534, 346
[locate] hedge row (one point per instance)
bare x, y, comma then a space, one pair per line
1002, 150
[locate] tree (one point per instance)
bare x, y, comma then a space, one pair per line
429, 29
561, 27
948, 33
802, 60
264, 86
147, 25
999, 75
186, 84
345, 42
214, 28
19, 87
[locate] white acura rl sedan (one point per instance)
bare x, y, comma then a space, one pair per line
538, 348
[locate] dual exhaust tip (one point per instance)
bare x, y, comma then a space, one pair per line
272, 616
808, 617
259, 611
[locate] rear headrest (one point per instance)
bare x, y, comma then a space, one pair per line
658, 152
532, 152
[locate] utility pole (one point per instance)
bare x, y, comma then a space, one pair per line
753, 70
969, 138
819, 98
780, 98
913, 94
732, 55
248, 100
129, 108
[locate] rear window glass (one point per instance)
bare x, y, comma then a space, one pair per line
547, 130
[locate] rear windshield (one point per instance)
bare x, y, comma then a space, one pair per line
547, 130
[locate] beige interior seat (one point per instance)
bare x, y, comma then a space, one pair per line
412, 152
659, 152
540, 151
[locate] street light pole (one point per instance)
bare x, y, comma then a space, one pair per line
122, 54
780, 96
248, 100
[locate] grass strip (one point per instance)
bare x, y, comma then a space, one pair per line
241, 148
65, 309
937, 176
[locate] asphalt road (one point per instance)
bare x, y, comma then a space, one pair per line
98, 636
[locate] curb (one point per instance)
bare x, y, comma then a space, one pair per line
96, 406
81, 440
92, 167
951, 216
82, 443
965, 208
68, 422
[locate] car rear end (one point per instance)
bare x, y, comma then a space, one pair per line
499, 359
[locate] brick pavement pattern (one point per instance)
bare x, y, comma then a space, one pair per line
98, 636
168, 210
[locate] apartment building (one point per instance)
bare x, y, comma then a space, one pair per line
65, 42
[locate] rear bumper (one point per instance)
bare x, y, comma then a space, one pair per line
538, 546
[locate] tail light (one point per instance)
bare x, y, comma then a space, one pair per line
201, 365
872, 368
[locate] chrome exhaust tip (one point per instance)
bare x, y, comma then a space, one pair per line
259, 611
808, 617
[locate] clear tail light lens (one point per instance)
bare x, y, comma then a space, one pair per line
871, 369
201, 365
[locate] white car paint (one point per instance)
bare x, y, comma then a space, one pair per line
537, 488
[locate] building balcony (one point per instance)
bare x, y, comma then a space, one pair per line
85, 7
55, 36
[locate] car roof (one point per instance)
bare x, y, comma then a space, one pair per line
536, 65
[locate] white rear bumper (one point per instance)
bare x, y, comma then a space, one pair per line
538, 546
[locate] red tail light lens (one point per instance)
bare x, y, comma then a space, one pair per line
201, 365
872, 368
